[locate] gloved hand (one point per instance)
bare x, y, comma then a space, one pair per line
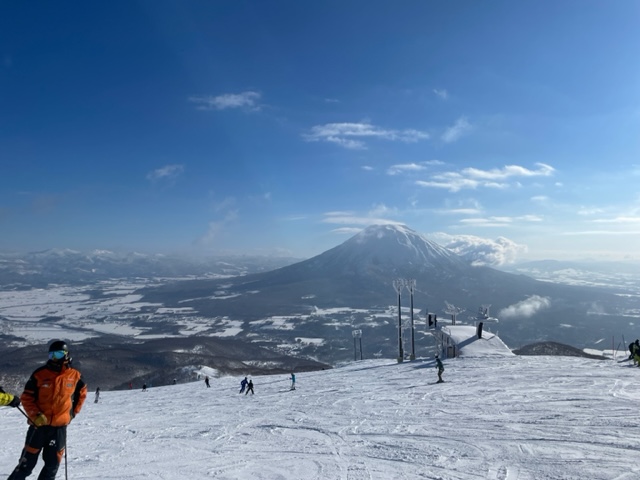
40, 420
15, 402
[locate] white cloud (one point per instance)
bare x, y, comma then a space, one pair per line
496, 221
457, 130
347, 143
540, 199
586, 211
216, 229
508, 171
347, 230
449, 181
352, 135
406, 167
482, 251
525, 308
442, 93
225, 204
247, 100
472, 178
619, 220
168, 172
295, 218
487, 222
601, 232
374, 217
468, 206
462, 211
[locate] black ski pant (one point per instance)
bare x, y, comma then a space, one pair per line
52, 442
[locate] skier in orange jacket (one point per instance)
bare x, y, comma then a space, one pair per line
52, 397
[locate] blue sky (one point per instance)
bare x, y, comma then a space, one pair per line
285, 127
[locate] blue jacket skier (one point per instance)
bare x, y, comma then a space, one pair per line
243, 385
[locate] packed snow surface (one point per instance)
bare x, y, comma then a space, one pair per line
495, 417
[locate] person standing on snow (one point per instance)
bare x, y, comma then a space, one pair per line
249, 387
293, 381
97, 395
243, 385
52, 397
6, 399
440, 368
206, 381
632, 351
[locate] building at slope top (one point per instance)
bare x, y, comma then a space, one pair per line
464, 341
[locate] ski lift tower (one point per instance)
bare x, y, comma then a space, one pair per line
411, 285
357, 334
453, 311
398, 285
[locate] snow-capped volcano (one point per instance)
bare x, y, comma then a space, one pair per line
360, 274
394, 247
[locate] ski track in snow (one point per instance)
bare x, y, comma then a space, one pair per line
507, 418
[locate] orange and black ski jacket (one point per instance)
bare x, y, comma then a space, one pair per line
58, 391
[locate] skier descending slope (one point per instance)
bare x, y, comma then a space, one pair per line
440, 368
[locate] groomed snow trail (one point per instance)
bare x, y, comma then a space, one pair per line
512, 418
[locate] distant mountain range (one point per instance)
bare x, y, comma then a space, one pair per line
72, 267
312, 307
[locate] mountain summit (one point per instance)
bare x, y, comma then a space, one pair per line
360, 271
392, 248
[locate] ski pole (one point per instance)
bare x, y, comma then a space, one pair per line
66, 444
24, 413
24, 450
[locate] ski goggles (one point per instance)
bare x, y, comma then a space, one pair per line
58, 355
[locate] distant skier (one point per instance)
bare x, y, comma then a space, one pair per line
206, 381
97, 395
144, 387
440, 368
636, 353
243, 385
249, 388
293, 381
